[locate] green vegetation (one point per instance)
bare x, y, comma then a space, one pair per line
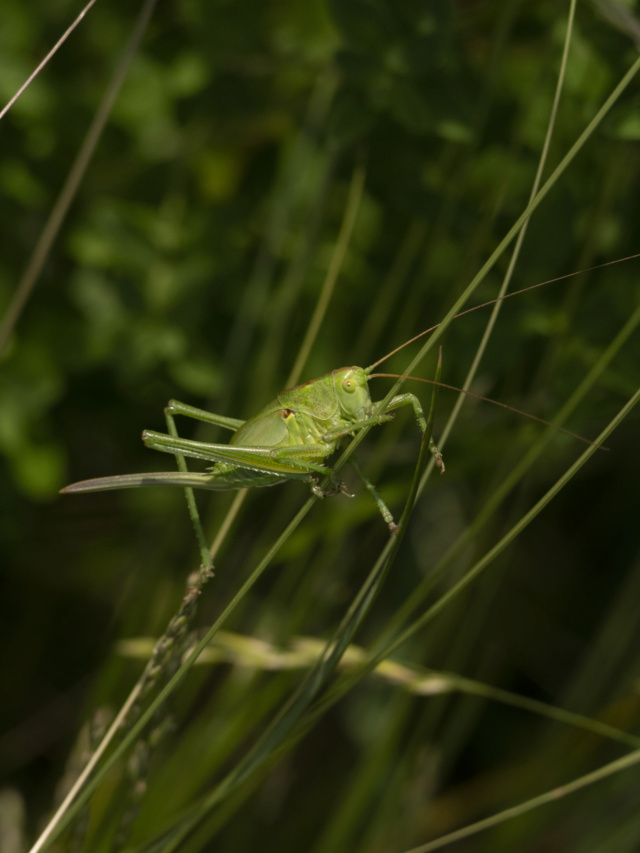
280, 190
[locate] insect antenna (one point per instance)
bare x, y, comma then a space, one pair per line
486, 400
492, 302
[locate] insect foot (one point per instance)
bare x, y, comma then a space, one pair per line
339, 488
315, 488
345, 491
437, 456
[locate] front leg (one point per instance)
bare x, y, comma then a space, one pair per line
334, 434
411, 400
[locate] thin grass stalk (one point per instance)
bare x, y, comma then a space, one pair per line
451, 420
549, 797
41, 65
76, 174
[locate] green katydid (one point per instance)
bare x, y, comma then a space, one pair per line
287, 440
290, 438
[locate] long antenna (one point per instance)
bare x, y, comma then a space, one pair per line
486, 400
500, 299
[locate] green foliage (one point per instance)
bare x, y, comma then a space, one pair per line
189, 266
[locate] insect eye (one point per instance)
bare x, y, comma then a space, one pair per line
348, 385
